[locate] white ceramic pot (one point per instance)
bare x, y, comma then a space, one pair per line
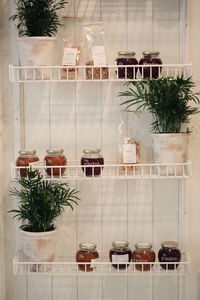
38, 246
170, 148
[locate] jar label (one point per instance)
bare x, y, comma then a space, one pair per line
120, 258
129, 153
93, 261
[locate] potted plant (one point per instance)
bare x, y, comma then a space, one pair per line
38, 22
168, 100
40, 203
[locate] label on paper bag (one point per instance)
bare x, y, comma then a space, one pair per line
69, 56
129, 153
99, 55
120, 258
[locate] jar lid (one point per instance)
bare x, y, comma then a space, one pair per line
169, 244
150, 53
120, 244
87, 246
90, 151
143, 246
55, 151
27, 152
126, 53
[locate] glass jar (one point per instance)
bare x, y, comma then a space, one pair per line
55, 158
150, 58
143, 253
120, 252
169, 252
87, 253
92, 157
25, 158
126, 58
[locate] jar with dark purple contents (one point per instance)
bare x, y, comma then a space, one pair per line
127, 58
120, 252
92, 157
169, 252
150, 58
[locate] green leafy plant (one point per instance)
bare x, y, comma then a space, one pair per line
166, 98
41, 202
38, 17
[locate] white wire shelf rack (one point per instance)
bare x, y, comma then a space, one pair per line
74, 171
93, 73
66, 265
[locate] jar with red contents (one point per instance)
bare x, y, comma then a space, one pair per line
120, 252
143, 253
25, 158
87, 254
150, 58
92, 157
55, 157
169, 252
127, 58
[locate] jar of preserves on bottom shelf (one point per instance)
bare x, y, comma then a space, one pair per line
143, 253
25, 158
150, 58
127, 58
87, 253
55, 157
120, 252
169, 252
92, 157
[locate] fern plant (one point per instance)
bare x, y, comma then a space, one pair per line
41, 202
38, 17
167, 99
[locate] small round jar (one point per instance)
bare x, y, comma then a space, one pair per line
25, 158
169, 252
150, 58
92, 157
87, 253
120, 252
55, 158
127, 58
143, 253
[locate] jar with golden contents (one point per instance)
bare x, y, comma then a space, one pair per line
143, 253
87, 254
120, 252
55, 157
25, 158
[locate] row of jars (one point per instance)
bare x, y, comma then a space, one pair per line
149, 58
56, 157
168, 255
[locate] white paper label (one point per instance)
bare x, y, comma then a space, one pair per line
99, 55
93, 261
69, 56
129, 153
120, 258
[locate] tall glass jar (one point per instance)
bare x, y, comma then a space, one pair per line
127, 58
120, 252
150, 58
143, 253
92, 157
87, 253
24, 159
169, 252
55, 157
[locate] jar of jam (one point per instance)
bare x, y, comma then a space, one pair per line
143, 253
127, 58
169, 252
92, 157
87, 253
55, 158
25, 158
150, 58
120, 252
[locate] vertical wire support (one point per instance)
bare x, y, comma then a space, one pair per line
153, 24
50, 91
52, 283
153, 232
22, 117
27, 291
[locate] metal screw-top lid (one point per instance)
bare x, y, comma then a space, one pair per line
143, 246
169, 244
55, 151
120, 244
126, 53
27, 152
90, 151
150, 53
87, 246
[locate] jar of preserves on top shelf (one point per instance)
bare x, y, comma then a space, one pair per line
127, 58
143, 253
150, 58
92, 157
87, 253
25, 158
120, 252
169, 252
55, 157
